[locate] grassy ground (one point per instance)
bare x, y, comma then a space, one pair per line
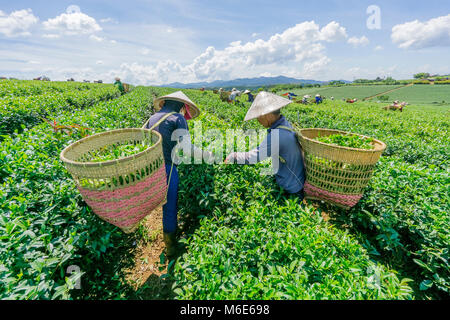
423, 94
359, 92
415, 95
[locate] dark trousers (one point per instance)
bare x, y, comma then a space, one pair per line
170, 209
301, 195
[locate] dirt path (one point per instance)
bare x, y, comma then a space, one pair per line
383, 93
144, 277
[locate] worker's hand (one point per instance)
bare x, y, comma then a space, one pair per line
231, 157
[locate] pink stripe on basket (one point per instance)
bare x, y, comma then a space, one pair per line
125, 211
133, 215
118, 208
343, 199
160, 174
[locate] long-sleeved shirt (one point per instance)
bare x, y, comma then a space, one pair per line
166, 128
291, 172
119, 86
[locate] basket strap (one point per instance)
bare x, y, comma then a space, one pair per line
296, 135
154, 126
159, 121
298, 140
286, 128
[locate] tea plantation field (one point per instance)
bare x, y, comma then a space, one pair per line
344, 92
414, 95
244, 238
422, 94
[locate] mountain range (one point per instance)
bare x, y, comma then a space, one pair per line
244, 83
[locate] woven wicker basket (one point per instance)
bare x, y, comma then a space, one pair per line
124, 191
337, 175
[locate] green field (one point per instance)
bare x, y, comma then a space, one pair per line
243, 237
417, 94
359, 92
422, 94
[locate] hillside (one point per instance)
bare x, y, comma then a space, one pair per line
243, 83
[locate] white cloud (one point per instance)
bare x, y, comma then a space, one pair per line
99, 62
72, 23
145, 51
417, 35
113, 41
297, 44
299, 47
356, 42
96, 38
140, 74
51, 36
108, 20
254, 34
333, 32
379, 48
312, 68
17, 23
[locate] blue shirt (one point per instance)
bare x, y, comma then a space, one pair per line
166, 128
291, 174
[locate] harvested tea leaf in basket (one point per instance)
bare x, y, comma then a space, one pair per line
351, 141
115, 152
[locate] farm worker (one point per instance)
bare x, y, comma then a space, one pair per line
119, 85
233, 94
286, 151
332, 98
318, 99
290, 95
250, 96
173, 109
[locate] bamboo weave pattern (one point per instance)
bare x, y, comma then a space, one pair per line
124, 191
335, 174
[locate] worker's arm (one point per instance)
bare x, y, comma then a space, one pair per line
261, 153
183, 137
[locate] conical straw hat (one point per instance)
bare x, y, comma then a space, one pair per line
265, 103
246, 91
177, 96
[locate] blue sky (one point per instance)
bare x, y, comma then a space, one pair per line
156, 42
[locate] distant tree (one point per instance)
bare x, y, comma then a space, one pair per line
336, 83
390, 80
422, 75
362, 81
